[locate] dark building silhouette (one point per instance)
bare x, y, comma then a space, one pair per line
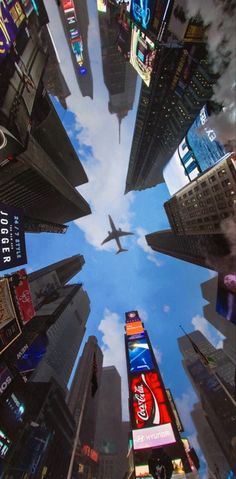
210, 251
109, 434
85, 81
64, 269
119, 76
215, 390
181, 84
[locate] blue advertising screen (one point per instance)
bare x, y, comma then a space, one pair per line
142, 12
11, 18
140, 358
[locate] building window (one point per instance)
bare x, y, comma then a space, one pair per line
229, 193
203, 184
222, 172
212, 179
215, 188
226, 183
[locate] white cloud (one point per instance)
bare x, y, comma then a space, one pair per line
114, 351
142, 243
184, 406
142, 313
202, 325
166, 308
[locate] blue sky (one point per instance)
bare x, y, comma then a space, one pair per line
166, 291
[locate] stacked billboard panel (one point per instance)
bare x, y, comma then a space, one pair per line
149, 408
75, 35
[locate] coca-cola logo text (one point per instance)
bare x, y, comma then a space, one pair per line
141, 400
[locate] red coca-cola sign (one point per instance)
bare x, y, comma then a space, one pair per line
148, 401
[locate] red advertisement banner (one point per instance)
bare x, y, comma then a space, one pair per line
23, 297
148, 401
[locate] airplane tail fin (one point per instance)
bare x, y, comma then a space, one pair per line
121, 250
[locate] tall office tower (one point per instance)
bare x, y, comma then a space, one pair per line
108, 440
227, 328
42, 180
217, 463
83, 400
64, 270
215, 388
202, 206
68, 309
75, 21
166, 110
119, 77
209, 251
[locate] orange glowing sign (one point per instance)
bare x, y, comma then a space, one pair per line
134, 328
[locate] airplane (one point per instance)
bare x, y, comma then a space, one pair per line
115, 234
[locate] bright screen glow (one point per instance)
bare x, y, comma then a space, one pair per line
140, 358
142, 54
134, 328
156, 436
142, 472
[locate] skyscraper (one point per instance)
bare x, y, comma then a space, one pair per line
64, 269
215, 389
109, 434
210, 251
201, 206
166, 111
209, 292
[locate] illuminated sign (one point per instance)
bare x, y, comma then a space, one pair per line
102, 6
174, 410
132, 316
155, 436
74, 34
142, 471
11, 18
142, 12
142, 54
88, 451
28, 7
22, 294
12, 237
4, 444
139, 354
5, 378
134, 328
9, 326
30, 356
178, 469
148, 401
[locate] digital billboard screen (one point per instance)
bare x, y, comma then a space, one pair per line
155, 436
21, 289
142, 12
149, 402
102, 6
11, 18
75, 37
9, 325
178, 469
226, 296
142, 54
142, 471
132, 316
12, 237
134, 328
139, 355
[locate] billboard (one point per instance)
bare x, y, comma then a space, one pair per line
21, 289
9, 325
142, 12
178, 469
5, 378
44, 289
149, 403
135, 327
30, 356
142, 471
226, 296
4, 444
174, 410
102, 6
11, 19
155, 436
131, 316
12, 237
198, 151
139, 356
75, 38
142, 54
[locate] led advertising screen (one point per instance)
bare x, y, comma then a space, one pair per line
4, 444
226, 296
9, 325
178, 469
155, 436
20, 286
31, 355
142, 54
12, 237
74, 34
132, 316
148, 398
102, 6
134, 328
142, 472
139, 356
142, 12
11, 18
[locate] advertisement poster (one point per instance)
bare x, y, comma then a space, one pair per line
142, 12
142, 54
142, 472
226, 296
148, 401
140, 358
9, 326
135, 327
132, 316
11, 19
12, 237
23, 296
155, 436
101, 6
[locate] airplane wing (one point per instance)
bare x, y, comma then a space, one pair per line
108, 238
123, 233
